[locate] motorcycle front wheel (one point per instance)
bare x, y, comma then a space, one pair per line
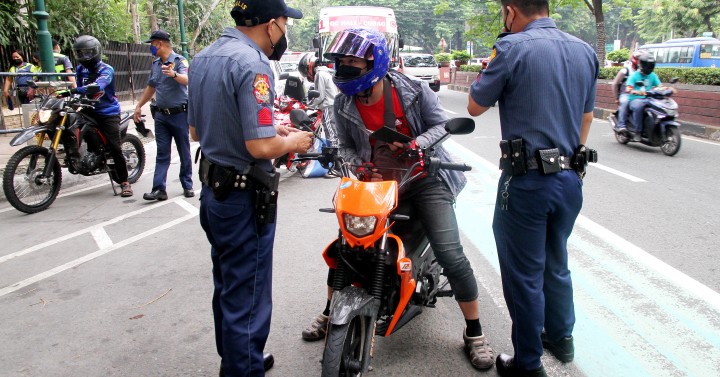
134, 152
24, 186
345, 348
671, 145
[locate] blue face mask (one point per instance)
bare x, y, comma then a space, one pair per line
153, 50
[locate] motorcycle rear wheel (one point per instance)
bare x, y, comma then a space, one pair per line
21, 184
671, 145
345, 348
134, 152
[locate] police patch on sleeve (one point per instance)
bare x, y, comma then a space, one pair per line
261, 89
492, 55
265, 116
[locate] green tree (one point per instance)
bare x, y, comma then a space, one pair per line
680, 18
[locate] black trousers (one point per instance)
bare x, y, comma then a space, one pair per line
110, 127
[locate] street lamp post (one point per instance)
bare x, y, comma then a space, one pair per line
181, 16
43, 36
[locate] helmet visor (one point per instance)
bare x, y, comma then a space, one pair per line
348, 43
86, 53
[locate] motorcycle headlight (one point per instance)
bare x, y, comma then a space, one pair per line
359, 226
44, 115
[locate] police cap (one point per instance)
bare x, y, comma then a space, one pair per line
256, 12
159, 34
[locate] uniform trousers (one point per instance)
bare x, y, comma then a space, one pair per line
168, 127
531, 237
241, 253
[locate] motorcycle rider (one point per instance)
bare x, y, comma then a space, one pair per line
322, 77
362, 60
637, 93
621, 96
106, 114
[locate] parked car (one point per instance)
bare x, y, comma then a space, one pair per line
422, 66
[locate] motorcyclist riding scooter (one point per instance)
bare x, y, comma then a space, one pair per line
653, 112
621, 96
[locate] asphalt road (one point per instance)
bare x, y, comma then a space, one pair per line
102, 285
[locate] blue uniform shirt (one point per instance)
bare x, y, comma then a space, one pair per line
230, 99
104, 76
544, 80
168, 92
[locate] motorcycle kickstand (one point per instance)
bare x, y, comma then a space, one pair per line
112, 184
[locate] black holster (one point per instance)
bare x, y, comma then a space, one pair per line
512, 157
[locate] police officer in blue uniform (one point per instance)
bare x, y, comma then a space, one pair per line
230, 113
92, 70
168, 83
545, 82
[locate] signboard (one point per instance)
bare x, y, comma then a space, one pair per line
339, 23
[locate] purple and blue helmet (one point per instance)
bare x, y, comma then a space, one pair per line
358, 42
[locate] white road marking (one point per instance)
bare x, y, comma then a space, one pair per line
610, 170
91, 256
66, 237
101, 237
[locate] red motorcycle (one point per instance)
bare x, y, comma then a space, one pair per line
283, 106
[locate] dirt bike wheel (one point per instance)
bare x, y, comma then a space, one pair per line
22, 189
134, 152
671, 145
345, 348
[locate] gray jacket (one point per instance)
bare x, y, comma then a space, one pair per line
423, 112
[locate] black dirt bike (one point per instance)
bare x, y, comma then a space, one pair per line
33, 175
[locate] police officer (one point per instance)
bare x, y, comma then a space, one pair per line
63, 64
92, 70
168, 83
230, 113
545, 82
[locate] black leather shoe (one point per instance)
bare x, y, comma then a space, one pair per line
268, 360
505, 365
188, 193
563, 349
156, 195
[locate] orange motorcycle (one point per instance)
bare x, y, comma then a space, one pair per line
381, 280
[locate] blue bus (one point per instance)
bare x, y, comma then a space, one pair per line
686, 52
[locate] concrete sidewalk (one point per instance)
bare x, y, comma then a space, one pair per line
69, 180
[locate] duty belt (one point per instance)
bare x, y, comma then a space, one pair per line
170, 110
565, 164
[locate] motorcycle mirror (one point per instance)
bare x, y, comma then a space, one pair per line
284, 76
316, 42
640, 84
92, 89
674, 80
313, 94
298, 117
460, 126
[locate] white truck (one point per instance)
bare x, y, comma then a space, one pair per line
336, 19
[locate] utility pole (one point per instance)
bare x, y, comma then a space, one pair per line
181, 16
43, 36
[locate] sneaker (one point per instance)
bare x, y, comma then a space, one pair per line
479, 352
563, 349
317, 329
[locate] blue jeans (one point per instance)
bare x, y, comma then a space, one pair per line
623, 110
638, 109
241, 254
531, 237
168, 127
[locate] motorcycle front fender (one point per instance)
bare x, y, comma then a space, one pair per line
26, 135
350, 302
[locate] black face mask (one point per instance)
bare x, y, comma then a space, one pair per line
347, 72
506, 29
279, 47
92, 63
17, 61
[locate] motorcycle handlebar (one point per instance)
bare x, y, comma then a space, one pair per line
454, 166
308, 156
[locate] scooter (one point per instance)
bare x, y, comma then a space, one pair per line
381, 280
660, 127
